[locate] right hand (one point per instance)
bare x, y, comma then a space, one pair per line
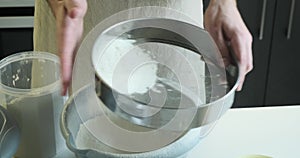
69, 28
224, 22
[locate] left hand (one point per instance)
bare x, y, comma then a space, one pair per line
225, 24
69, 16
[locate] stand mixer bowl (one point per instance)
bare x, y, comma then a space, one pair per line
81, 140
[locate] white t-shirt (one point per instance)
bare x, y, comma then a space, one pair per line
98, 10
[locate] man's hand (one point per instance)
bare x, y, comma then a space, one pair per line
69, 16
224, 22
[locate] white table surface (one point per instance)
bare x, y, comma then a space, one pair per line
269, 131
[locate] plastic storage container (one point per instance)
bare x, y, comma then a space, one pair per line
30, 90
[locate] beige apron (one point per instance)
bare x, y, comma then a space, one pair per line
98, 10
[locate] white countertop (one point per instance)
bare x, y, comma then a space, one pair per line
269, 131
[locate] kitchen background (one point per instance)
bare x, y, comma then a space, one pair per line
274, 25
16, 26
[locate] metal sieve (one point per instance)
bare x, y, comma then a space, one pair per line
162, 73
